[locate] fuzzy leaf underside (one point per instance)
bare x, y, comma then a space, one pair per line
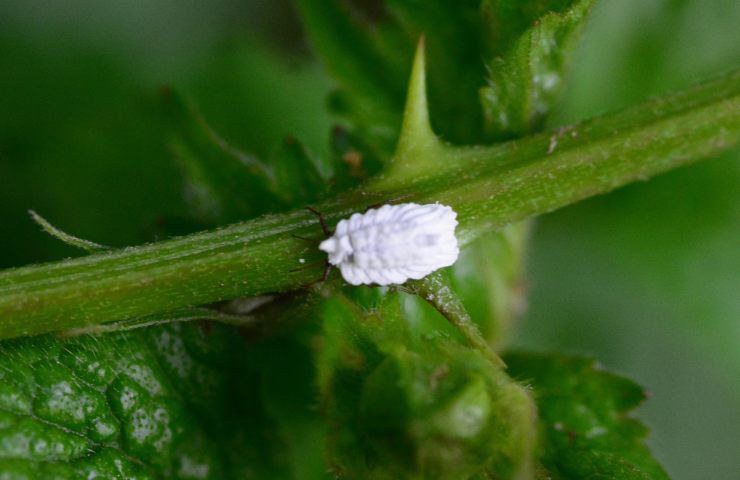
523, 83
585, 422
405, 400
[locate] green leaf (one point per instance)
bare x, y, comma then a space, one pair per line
81, 143
179, 401
223, 184
406, 404
372, 94
525, 80
509, 55
585, 419
256, 96
297, 180
368, 50
507, 20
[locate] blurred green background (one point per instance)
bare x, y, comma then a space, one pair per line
646, 279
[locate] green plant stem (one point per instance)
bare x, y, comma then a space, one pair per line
435, 290
489, 187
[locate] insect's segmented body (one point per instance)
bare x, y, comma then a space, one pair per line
393, 243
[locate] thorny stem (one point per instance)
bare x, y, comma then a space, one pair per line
489, 187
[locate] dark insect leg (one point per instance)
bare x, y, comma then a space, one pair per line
327, 270
312, 241
322, 221
206, 326
328, 233
322, 279
392, 200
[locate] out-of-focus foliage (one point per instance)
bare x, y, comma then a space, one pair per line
75, 133
644, 278
223, 184
93, 143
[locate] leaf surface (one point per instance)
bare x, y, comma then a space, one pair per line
404, 400
524, 80
181, 401
587, 431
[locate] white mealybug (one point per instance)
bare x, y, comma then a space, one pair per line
393, 243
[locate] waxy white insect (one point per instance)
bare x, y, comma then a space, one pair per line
393, 243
